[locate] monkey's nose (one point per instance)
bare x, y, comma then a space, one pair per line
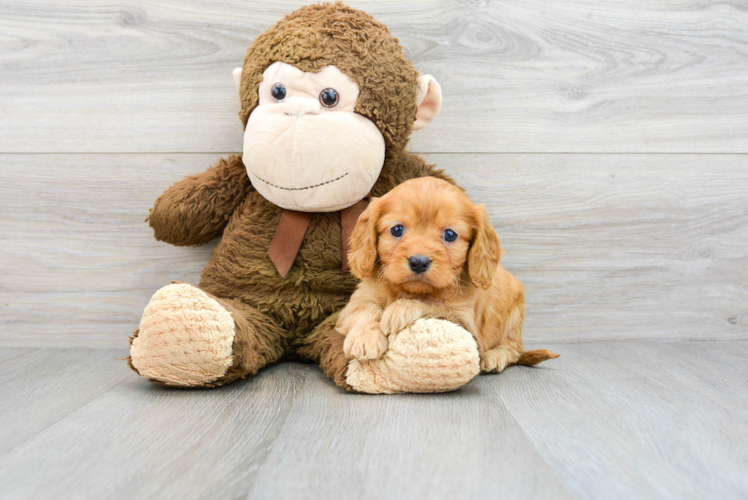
297, 106
419, 264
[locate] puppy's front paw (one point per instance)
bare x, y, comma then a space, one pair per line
400, 314
365, 343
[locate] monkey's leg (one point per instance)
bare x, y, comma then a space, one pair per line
325, 347
190, 338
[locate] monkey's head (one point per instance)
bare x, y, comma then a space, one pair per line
327, 95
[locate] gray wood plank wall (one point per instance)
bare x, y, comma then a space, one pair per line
608, 140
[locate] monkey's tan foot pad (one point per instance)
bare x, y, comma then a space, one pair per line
432, 355
185, 338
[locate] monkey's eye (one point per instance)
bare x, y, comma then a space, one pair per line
449, 236
329, 98
279, 92
397, 231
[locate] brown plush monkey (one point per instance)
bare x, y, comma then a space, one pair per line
328, 103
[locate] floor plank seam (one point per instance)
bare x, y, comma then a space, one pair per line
25, 355
297, 392
559, 478
198, 436
64, 417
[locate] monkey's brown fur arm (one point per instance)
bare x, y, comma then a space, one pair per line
196, 209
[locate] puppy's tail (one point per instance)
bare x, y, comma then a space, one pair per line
537, 356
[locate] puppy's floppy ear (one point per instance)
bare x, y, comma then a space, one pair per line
362, 256
485, 251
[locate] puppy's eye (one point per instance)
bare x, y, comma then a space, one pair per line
449, 235
279, 92
329, 98
397, 231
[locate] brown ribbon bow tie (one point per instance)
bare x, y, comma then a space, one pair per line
292, 228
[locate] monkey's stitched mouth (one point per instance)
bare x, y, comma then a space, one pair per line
301, 188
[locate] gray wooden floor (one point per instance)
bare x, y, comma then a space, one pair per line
606, 420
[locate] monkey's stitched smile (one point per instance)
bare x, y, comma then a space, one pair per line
301, 188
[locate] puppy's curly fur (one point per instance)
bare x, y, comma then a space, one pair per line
425, 250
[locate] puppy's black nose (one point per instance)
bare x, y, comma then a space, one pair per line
419, 264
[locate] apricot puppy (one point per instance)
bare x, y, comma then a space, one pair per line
425, 250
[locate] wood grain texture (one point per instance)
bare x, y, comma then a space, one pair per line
415, 446
620, 246
139, 440
638, 420
608, 246
517, 75
81, 255
645, 420
42, 386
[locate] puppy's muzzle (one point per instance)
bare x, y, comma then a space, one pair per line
419, 264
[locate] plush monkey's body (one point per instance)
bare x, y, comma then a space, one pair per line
274, 317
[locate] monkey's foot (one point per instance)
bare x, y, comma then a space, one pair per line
185, 338
432, 355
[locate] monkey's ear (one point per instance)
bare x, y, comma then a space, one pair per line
428, 99
237, 74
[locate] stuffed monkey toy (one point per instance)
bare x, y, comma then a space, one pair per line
328, 103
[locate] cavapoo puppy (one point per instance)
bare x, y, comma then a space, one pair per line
425, 250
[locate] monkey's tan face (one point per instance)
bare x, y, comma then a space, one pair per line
304, 146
